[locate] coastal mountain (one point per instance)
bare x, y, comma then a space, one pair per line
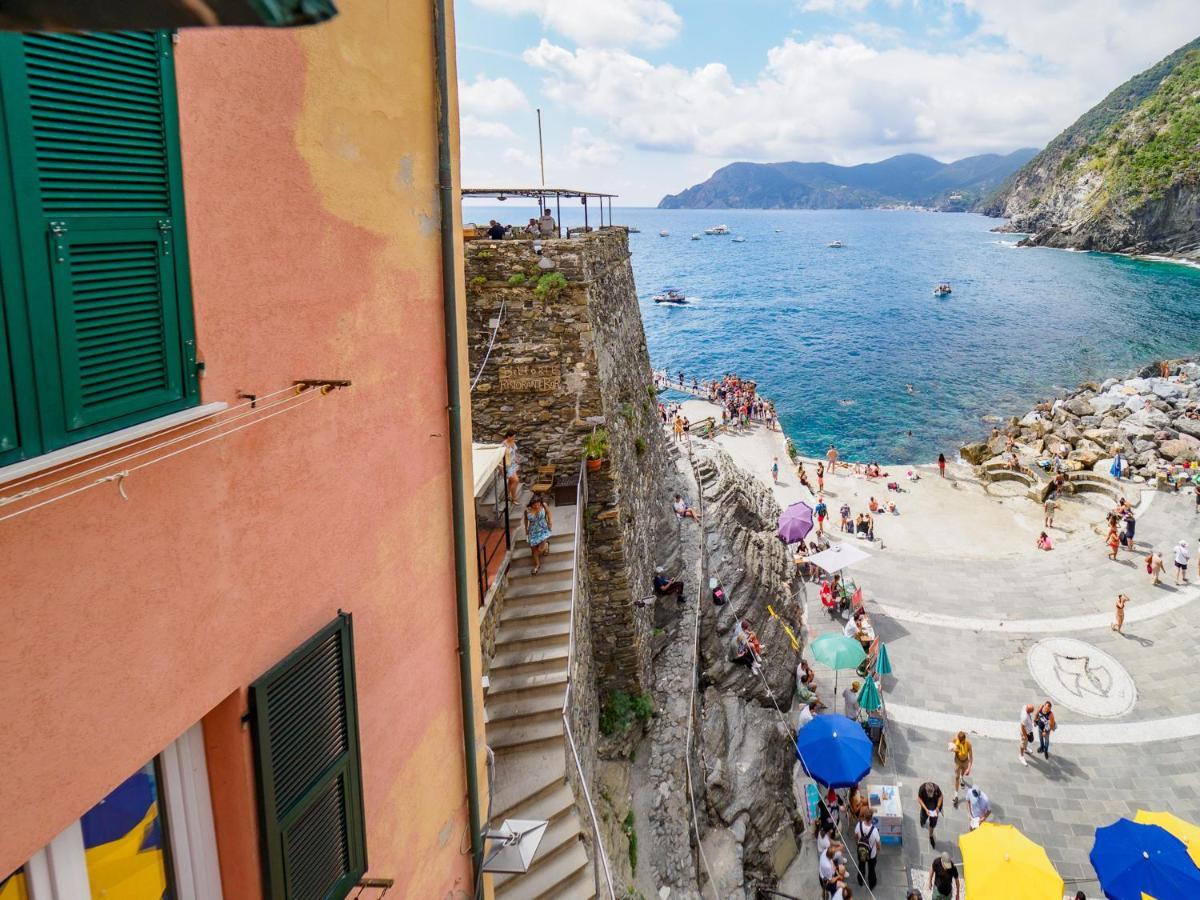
906, 180
1125, 177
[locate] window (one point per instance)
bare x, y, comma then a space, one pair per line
305, 723
96, 329
151, 837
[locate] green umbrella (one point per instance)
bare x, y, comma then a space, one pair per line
838, 651
883, 665
868, 697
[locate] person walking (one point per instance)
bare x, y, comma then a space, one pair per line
512, 469
942, 464
1181, 562
820, 477
1026, 736
775, 469
866, 835
964, 760
1048, 509
845, 514
1127, 534
979, 808
944, 883
678, 428
930, 799
832, 456
822, 511
1044, 720
1120, 616
538, 528
1155, 567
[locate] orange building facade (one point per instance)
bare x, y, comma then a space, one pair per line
175, 668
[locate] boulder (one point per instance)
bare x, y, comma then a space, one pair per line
1055, 445
1086, 453
975, 454
1152, 418
1188, 426
1102, 436
1105, 402
1141, 446
1108, 384
1068, 432
1079, 406
1168, 389
1092, 386
1120, 412
1089, 421
1030, 419
1178, 450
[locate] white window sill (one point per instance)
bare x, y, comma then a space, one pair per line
84, 449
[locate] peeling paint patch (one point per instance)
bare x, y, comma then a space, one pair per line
446, 833
428, 223
404, 174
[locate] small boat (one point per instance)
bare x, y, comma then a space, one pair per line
835, 244
695, 237
942, 290
717, 229
779, 231
664, 233
633, 229
671, 295
739, 240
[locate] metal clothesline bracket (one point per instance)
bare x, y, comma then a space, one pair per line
325, 384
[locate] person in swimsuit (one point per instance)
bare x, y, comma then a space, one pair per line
511, 469
1120, 623
538, 525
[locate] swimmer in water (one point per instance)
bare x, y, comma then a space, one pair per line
909, 388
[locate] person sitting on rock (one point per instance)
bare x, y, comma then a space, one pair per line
682, 510
664, 586
747, 649
1043, 542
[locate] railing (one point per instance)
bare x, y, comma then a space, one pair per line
581, 496
487, 548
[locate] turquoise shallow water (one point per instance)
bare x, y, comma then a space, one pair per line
833, 336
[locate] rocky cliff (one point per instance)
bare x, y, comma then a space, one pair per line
1125, 177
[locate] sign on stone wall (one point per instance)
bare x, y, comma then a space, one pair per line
541, 378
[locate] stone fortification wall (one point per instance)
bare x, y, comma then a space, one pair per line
565, 353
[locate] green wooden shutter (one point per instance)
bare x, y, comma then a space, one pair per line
102, 219
305, 726
10, 435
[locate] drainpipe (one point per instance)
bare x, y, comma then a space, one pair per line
462, 588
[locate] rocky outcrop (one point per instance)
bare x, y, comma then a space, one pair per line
1125, 178
1152, 420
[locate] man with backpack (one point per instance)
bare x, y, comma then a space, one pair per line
866, 835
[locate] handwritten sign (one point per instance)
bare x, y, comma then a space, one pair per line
541, 378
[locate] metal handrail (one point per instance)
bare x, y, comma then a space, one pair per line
581, 493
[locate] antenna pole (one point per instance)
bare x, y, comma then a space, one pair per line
541, 153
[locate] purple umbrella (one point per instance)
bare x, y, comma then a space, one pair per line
796, 522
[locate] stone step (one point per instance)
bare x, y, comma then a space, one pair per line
524, 775
538, 610
525, 660
582, 886
559, 836
526, 707
559, 544
528, 683
521, 570
563, 597
545, 878
544, 583
521, 733
522, 635
553, 803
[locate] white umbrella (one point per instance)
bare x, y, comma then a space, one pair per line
837, 557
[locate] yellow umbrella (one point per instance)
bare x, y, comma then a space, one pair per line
1185, 831
1000, 863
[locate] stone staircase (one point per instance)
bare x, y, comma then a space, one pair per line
526, 690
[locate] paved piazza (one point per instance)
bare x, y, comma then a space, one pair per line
978, 622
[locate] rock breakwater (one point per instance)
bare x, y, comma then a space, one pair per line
1151, 419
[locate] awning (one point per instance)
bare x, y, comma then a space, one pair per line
485, 459
837, 557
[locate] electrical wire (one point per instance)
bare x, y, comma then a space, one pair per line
120, 476
125, 445
491, 341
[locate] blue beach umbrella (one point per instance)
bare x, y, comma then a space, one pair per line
834, 750
1132, 860
883, 665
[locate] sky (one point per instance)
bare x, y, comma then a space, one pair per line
646, 97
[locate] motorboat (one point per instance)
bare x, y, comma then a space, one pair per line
664, 233
835, 244
695, 237
942, 290
671, 295
717, 229
739, 240
633, 229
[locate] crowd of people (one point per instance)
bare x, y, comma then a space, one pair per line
545, 226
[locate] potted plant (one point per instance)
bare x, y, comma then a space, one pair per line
595, 448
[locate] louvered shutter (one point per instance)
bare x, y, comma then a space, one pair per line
10, 436
305, 725
97, 136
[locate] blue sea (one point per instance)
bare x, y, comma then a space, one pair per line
836, 336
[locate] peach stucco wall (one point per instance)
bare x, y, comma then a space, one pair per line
310, 182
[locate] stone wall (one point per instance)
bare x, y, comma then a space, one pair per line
562, 356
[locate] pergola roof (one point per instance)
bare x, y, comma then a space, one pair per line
502, 193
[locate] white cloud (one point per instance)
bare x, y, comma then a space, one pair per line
826, 99
473, 127
606, 23
588, 150
518, 157
834, 6
491, 96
